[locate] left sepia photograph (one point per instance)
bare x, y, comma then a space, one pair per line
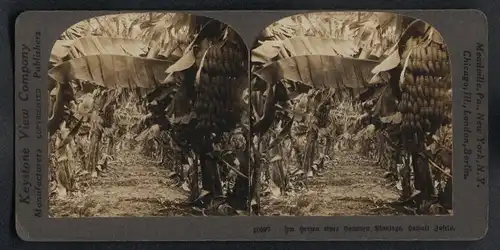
148, 116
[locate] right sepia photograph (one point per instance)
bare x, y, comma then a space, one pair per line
351, 114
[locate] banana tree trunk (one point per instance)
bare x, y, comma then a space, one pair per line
328, 146
111, 146
297, 151
395, 158
423, 178
405, 179
96, 134
63, 97
241, 189
179, 165
255, 186
94, 150
193, 180
211, 181
281, 168
310, 152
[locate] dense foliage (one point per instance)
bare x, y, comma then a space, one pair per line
175, 89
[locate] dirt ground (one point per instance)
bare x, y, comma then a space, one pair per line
134, 186
349, 185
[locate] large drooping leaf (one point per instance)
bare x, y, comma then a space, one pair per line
96, 45
112, 71
320, 71
91, 45
303, 45
165, 33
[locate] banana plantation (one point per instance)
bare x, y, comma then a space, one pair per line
170, 114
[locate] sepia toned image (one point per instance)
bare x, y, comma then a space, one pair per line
333, 114
351, 115
148, 117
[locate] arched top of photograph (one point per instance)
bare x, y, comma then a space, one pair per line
162, 42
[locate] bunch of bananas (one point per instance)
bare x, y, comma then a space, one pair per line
429, 60
217, 99
424, 87
224, 59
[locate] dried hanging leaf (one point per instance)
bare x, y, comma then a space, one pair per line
202, 66
402, 75
391, 62
320, 71
112, 71
381, 71
185, 62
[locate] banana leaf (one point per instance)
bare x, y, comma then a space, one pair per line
303, 45
112, 71
96, 45
320, 71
